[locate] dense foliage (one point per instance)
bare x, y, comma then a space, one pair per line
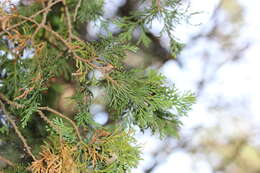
40, 46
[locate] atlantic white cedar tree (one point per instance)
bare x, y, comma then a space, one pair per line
41, 45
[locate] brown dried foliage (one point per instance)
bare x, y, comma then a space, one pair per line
51, 161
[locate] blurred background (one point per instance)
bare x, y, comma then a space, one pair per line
220, 64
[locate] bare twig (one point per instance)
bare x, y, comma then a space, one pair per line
32, 16
48, 121
76, 10
67, 44
17, 131
24, 94
68, 20
10, 163
45, 14
158, 4
4, 98
58, 36
64, 117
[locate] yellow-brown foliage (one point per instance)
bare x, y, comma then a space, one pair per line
51, 161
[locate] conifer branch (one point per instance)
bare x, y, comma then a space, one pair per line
133, 96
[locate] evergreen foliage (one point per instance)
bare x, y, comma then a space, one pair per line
41, 44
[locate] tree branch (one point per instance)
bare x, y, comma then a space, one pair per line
8, 162
17, 131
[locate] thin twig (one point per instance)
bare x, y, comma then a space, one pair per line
64, 117
32, 16
67, 13
10, 163
48, 121
17, 131
45, 14
4, 98
76, 10
158, 4
24, 94
67, 44
112, 80
77, 38
57, 35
